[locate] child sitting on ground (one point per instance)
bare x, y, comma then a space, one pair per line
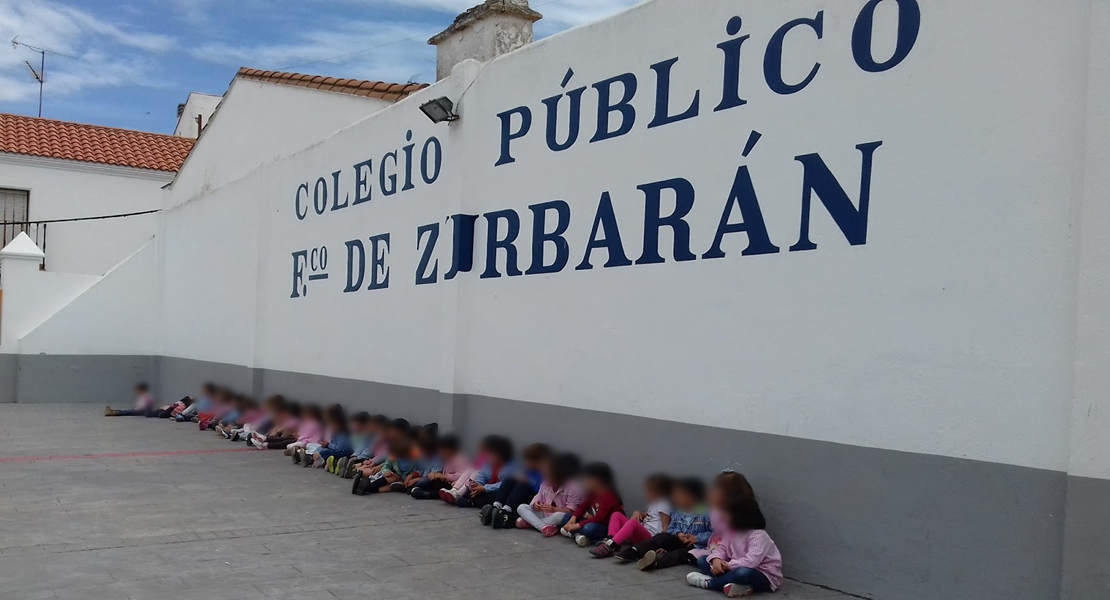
397, 429
395, 469
688, 529
519, 488
256, 420
202, 403
589, 523
747, 561
558, 498
338, 443
452, 465
641, 526
144, 405
284, 432
428, 462
727, 486
361, 440
309, 431
478, 488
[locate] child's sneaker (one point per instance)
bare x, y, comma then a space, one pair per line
448, 496
330, 465
698, 580
647, 561
582, 540
547, 531
503, 518
735, 590
397, 486
313, 461
288, 452
109, 412
522, 524
341, 466
603, 550
486, 515
357, 480
629, 554
296, 454
350, 470
563, 532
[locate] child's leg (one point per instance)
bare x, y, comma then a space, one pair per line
501, 496
674, 558
632, 531
594, 531
530, 516
464, 480
616, 521
522, 493
742, 576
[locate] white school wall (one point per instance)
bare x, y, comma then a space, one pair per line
929, 384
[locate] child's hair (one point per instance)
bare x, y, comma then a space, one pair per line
561, 468
733, 485
294, 409
449, 442
208, 388
415, 433
535, 453
744, 514
142, 387
337, 418
428, 446
430, 430
380, 420
692, 486
400, 426
660, 483
499, 447
312, 411
360, 418
603, 474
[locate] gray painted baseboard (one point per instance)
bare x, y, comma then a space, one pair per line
41, 378
1087, 540
8, 364
877, 523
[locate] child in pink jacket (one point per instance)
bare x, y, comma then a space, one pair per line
746, 561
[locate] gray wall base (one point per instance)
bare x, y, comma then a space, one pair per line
876, 523
8, 369
1087, 540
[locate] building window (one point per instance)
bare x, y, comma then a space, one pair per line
13, 214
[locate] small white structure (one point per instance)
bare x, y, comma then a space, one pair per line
195, 113
483, 33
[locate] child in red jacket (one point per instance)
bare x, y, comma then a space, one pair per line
590, 522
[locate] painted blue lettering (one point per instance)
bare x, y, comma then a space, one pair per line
379, 252
743, 197
508, 135
335, 205
438, 160
493, 243
297, 202
605, 220
606, 107
772, 60
663, 97
356, 266
818, 178
730, 96
462, 244
320, 196
540, 237
909, 25
387, 190
422, 275
654, 221
363, 190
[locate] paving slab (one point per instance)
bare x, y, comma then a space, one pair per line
95, 508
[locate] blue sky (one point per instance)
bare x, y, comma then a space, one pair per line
130, 62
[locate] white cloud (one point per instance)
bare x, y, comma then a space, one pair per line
557, 13
103, 54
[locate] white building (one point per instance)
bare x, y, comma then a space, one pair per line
856, 250
52, 172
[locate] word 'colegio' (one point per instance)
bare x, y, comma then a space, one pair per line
395, 168
617, 115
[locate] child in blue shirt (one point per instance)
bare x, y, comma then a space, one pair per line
689, 529
519, 486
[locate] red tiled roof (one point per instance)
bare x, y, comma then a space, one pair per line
91, 143
370, 89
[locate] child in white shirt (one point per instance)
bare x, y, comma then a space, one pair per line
641, 526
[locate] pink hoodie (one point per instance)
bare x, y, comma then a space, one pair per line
751, 550
310, 432
455, 468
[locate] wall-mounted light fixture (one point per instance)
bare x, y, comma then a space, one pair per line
439, 110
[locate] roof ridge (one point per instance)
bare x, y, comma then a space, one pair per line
90, 125
382, 90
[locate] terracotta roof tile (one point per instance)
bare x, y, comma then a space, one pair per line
92, 143
391, 92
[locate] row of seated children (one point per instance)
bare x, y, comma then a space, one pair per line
543, 490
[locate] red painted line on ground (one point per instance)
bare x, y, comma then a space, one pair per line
9, 459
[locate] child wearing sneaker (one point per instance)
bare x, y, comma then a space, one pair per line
747, 561
641, 526
519, 488
395, 469
689, 529
558, 498
589, 523
478, 488
428, 461
339, 440
144, 405
309, 431
453, 465
361, 440
287, 421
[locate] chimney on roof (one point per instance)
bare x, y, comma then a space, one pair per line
483, 33
180, 110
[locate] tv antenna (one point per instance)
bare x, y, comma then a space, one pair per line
40, 73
